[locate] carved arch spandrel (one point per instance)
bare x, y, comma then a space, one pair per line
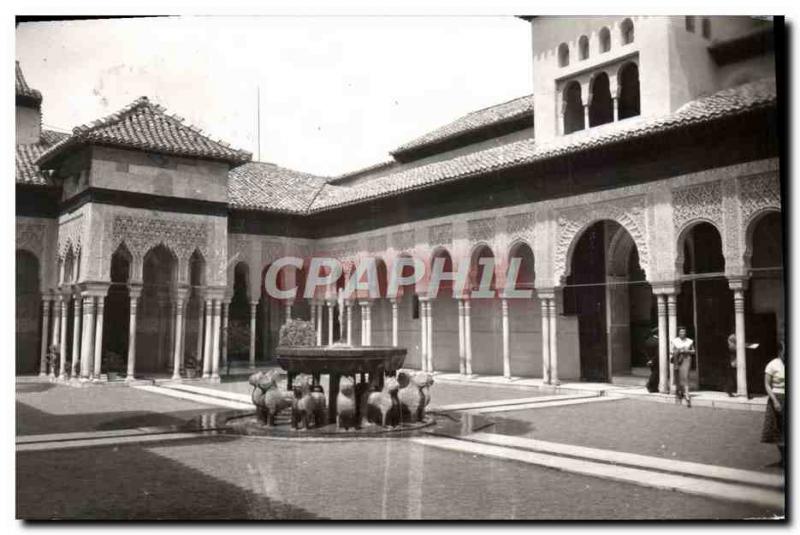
573, 221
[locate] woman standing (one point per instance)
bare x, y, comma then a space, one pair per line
775, 384
682, 351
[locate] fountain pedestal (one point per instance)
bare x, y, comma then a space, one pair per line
336, 361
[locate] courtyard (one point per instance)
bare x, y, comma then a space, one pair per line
156, 451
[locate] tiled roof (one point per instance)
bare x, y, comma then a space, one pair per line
507, 111
265, 186
146, 126
27, 171
363, 171
23, 90
726, 103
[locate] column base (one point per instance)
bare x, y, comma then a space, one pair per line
176, 379
42, 375
130, 378
213, 380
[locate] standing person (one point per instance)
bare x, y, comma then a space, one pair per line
682, 350
730, 377
775, 385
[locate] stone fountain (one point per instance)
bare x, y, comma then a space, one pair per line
365, 386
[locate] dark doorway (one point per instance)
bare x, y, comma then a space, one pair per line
629, 100
28, 316
117, 319
573, 108
705, 305
585, 295
601, 111
765, 298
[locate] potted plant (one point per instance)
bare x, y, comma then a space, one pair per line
297, 332
113, 364
190, 366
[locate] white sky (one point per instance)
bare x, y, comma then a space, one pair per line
337, 93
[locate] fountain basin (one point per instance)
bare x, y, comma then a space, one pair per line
339, 360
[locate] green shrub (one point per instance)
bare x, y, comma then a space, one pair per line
297, 333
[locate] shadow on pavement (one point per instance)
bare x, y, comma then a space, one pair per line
130, 482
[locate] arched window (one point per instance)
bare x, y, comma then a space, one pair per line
563, 55
573, 108
601, 110
706, 28
629, 105
626, 29
689, 22
583, 47
605, 40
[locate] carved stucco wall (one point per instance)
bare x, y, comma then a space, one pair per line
572, 221
107, 227
39, 236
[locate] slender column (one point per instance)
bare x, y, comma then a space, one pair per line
673, 332
616, 109
176, 358
741, 356
288, 308
553, 343
423, 346
207, 358
62, 365
215, 340
225, 323
173, 333
45, 335
135, 293
253, 312
56, 338
76, 334
313, 314
545, 339
349, 308
461, 352
585, 116
467, 338
368, 321
98, 338
87, 339
663, 345
429, 332
200, 317
319, 323
506, 355
394, 322
330, 322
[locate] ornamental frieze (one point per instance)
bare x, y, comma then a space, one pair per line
31, 236
630, 213
520, 226
701, 201
403, 240
239, 248
70, 234
759, 192
141, 234
440, 234
481, 229
376, 244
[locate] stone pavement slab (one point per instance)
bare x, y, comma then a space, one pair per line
251, 478
753, 495
704, 435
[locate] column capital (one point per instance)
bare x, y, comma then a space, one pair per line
94, 288
181, 292
738, 284
135, 290
546, 293
666, 288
